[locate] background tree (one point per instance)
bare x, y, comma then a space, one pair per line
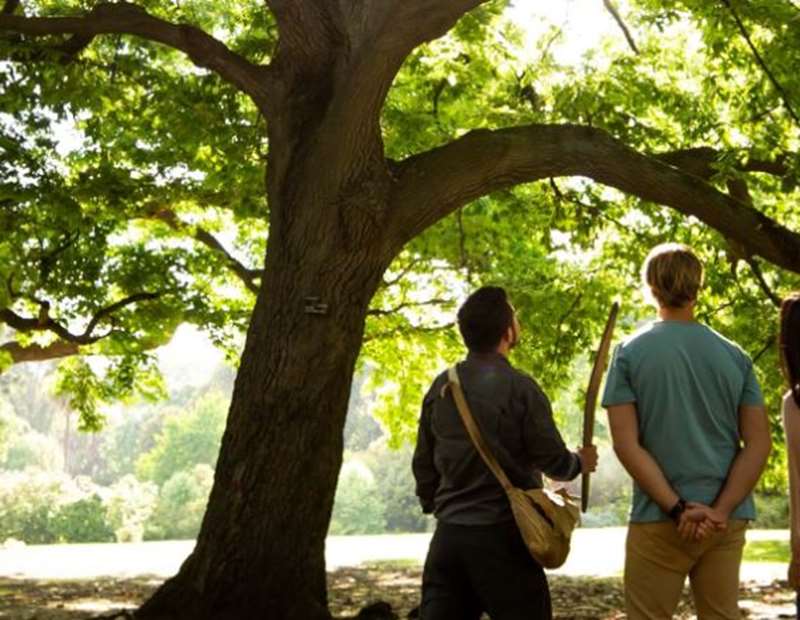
187, 438
374, 122
181, 503
359, 507
396, 488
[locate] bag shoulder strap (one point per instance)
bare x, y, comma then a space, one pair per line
473, 430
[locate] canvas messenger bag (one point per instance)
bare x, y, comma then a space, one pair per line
545, 518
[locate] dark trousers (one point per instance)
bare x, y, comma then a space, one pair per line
476, 569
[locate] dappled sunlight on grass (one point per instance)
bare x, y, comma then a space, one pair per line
97, 605
767, 551
351, 589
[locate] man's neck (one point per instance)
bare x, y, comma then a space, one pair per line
503, 349
677, 314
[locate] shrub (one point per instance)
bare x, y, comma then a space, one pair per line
29, 502
358, 508
83, 521
129, 505
181, 504
614, 514
395, 485
772, 511
611, 493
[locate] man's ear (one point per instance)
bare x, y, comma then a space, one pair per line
512, 337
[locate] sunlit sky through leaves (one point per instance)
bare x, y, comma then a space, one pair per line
583, 22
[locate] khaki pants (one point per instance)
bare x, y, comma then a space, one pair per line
657, 562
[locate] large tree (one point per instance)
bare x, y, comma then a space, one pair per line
369, 135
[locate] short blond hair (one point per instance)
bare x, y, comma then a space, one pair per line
673, 273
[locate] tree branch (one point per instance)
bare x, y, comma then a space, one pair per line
401, 274
592, 209
611, 8
407, 24
739, 190
38, 353
708, 315
108, 311
44, 322
563, 319
64, 53
778, 86
245, 274
433, 184
126, 18
309, 30
700, 162
762, 282
75, 45
409, 329
767, 346
408, 304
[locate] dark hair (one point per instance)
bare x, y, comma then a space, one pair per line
484, 319
789, 343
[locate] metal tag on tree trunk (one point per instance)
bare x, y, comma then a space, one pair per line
314, 305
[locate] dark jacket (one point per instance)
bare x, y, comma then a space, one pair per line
515, 419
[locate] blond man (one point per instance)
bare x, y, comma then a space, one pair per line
688, 423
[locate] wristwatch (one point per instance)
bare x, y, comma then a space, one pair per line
677, 510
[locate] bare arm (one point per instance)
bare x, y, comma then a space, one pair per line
624, 423
749, 463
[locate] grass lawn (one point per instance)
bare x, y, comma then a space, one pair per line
767, 551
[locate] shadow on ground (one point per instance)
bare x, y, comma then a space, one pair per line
576, 598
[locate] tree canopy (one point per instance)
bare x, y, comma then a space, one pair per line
132, 183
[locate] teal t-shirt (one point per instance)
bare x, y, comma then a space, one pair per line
688, 383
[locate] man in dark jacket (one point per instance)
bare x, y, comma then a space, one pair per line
477, 560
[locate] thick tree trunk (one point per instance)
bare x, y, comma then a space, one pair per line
260, 552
